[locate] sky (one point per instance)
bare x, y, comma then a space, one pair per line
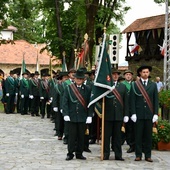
139, 9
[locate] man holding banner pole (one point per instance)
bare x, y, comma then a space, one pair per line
103, 83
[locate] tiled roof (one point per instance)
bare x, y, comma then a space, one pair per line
153, 22
13, 54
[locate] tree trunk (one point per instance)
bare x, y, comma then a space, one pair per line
91, 11
59, 29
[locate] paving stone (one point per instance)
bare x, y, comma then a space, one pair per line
28, 143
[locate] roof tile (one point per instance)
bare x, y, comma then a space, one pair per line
13, 54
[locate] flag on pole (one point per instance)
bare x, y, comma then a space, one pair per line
83, 55
37, 64
50, 67
23, 67
162, 48
64, 66
103, 82
135, 48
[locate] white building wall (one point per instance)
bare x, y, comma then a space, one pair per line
6, 34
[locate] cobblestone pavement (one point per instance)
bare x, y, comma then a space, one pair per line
28, 143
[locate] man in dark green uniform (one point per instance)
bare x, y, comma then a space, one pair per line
24, 91
44, 96
144, 110
51, 83
10, 88
75, 111
129, 135
34, 94
116, 111
17, 80
69, 81
57, 103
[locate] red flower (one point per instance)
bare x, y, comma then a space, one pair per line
162, 127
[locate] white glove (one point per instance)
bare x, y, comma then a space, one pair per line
55, 109
50, 101
126, 119
16, 94
41, 98
31, 96
61, 110
22, 96
88, 120
51, 98
155, 118
134, 118
7, 94
66, 118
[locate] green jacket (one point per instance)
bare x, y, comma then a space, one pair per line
114, 111
58, 93
10, 85
72, 106
44, 89
34, 87
138, 104
24, 87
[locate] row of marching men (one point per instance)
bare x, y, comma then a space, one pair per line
28, 94
40, 97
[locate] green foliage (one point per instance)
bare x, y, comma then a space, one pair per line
163, 128
161, 1
3, 11
164, 98
26, 16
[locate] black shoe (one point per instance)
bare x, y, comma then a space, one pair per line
148, 160
87, 150
32, 114
106, 158
69, 157
92, 141
119, 159
81, 157
37, 115
65, 141
131, 149
52, 121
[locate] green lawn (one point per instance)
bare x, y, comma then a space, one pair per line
1, 107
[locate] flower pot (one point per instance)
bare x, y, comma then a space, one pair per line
162, 146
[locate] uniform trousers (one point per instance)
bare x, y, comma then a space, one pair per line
143, 137
76, 135
112, 128
24, 105
35, 105
10, 104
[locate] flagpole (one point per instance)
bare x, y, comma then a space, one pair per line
102, 134
103, 115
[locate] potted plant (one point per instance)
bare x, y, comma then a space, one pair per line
161, 139
164, 98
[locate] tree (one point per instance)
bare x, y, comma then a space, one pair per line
26, 16
3, 10
48, 21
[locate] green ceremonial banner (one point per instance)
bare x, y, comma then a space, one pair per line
64, 66
103, 83
23, 67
